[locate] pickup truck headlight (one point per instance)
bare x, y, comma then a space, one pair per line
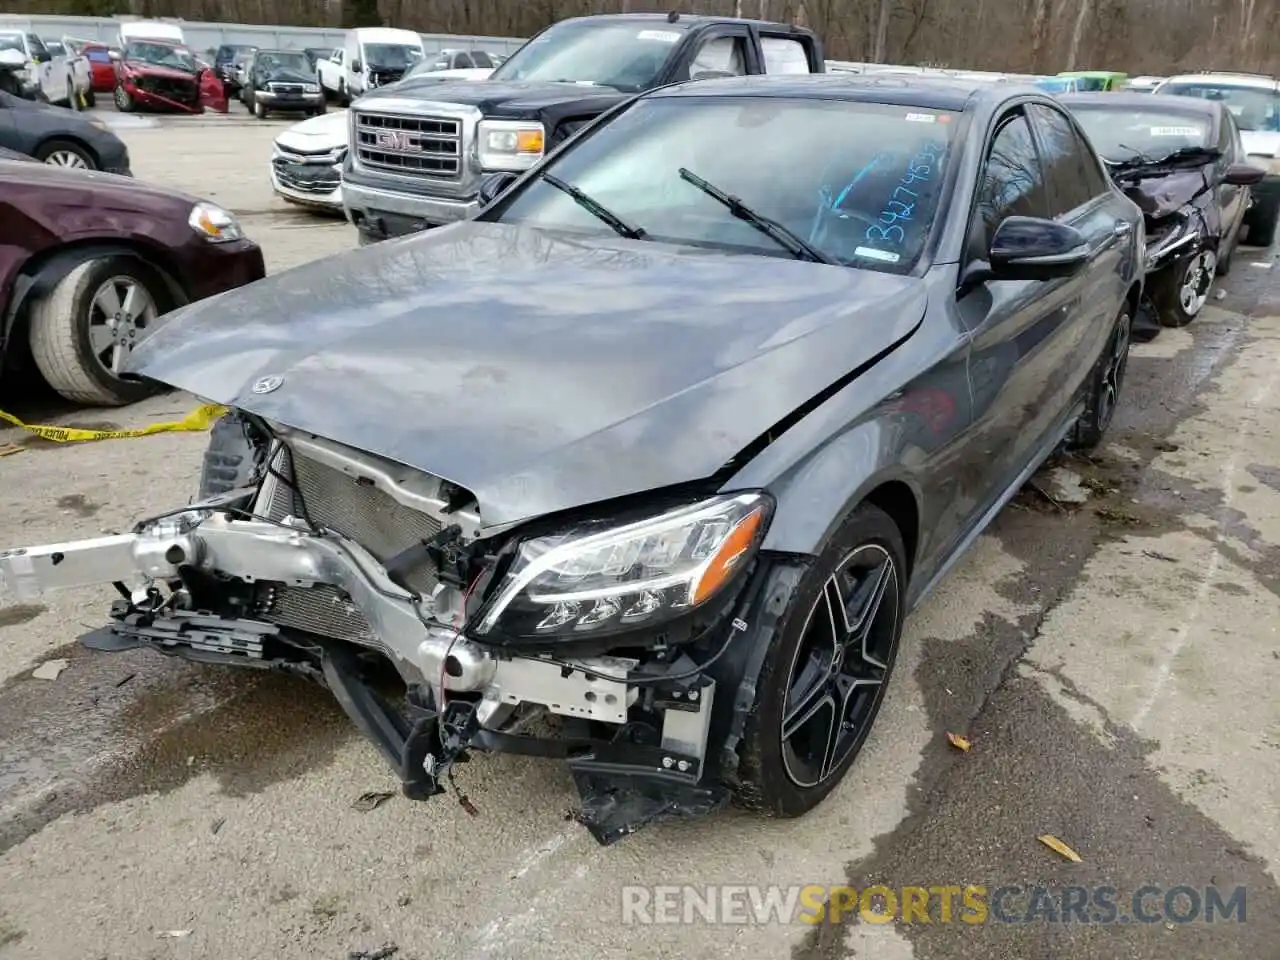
311, 88
589, 582
509, 144
214, 224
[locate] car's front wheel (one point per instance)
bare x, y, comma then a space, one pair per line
259, 109
1182, 293
64, 153
124, 100
827, 667
84, 329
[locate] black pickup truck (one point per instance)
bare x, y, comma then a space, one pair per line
420, 149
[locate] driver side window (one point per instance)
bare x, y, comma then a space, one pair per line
720, 55
1011, 183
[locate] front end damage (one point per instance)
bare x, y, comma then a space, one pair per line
440, 638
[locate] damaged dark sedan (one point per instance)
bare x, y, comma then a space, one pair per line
1181, 161
644, 467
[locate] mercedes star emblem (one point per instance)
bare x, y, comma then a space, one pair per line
268, 384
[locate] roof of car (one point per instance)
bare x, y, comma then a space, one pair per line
1256, 81
908, 90
1142, 101
684, 20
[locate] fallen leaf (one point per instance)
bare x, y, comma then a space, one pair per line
1060, 848
50, 669
1157, 555
959, 742
172, 934
9, 449
217, 824
370, 801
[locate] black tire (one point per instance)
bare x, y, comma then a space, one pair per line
1105, 385
259, 109
230, 460
60, 331
1260, 222
343, 99
90, 100
773, 775
48, 151
1166, 291
124, 100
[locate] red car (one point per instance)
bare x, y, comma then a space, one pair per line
102, 72
79, 289
162, 75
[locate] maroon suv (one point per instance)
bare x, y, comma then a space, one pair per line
90, 262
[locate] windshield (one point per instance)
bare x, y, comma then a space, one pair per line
858, 182
626, 56
1121, 134
54, 47
391, 56
160, 55
284, 61
12, 41
1253, 108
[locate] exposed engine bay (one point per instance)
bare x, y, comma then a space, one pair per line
438, 637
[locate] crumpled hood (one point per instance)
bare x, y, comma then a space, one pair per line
152, 70
540, 371
1158, 197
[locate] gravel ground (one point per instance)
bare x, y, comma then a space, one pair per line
1113, 663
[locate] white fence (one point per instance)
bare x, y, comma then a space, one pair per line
202, 36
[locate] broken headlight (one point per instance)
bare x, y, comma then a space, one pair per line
582, 583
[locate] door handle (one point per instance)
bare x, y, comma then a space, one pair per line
1122, 228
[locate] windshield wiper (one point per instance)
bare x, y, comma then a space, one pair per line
593, 207
798, 248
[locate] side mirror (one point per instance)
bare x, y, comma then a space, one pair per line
355, 65
113, 54
1030, 248
492, 186
1243, 175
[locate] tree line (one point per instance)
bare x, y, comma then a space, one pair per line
1025, 36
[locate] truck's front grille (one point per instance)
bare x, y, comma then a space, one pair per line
289, 89
419, 146
339, 502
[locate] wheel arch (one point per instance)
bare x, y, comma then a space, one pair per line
71, 139
42, 272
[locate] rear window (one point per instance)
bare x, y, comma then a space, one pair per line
98, 55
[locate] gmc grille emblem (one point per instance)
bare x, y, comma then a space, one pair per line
393, 140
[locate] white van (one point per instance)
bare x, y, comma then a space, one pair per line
150, 30
375, 56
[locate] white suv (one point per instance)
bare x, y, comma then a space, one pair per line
1254, 101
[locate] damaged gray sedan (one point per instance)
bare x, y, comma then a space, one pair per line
643, 467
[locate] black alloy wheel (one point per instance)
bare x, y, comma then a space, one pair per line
838, 673
831, 651
1108, 381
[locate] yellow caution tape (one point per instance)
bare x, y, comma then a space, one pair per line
201, 418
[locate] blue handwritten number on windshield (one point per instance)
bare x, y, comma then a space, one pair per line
901, 204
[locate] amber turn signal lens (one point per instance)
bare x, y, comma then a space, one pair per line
724, 563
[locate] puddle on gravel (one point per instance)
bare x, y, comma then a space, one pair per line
20, 613
114, 726
79, 504
32, 440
